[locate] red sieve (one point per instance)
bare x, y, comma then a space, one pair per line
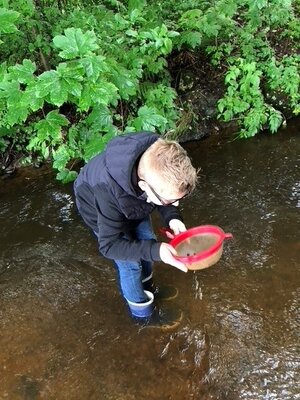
199, 247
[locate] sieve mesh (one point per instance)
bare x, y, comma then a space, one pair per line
196, 244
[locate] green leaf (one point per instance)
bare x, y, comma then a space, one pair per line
228, 8
46, 83
9, 90
221, 105
131, 33
74, 43
61, 156
94, 146
70, 78
149, 119
191, 19
85, 101
7, 20
59, 94
134, 15
93, 66
7, 131
100, 117
44, 149
192, 39
130, 129
57, 85
161, 98
50, 127
66, 176
101, 92
211, 28
3, 70
239, 105
167, 46
124, 80
232, 75
136, 4
16, 104
23, 73
30, 97
275, 120
17, 113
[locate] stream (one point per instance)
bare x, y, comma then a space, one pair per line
65, 332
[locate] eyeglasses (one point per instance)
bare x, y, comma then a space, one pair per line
163, 201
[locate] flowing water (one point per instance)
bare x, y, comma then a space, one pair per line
65, 332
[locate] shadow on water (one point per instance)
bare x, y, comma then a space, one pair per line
65, 331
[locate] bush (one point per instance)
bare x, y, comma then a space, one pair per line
76, 74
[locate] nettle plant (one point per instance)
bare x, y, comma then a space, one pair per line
106, 93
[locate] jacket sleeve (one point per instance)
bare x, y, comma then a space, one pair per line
168, 213
113, 236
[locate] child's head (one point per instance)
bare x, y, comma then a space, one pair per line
166, 168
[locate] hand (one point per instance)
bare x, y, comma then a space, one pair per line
177, 226
166, 253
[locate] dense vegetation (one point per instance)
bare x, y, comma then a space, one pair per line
75, 73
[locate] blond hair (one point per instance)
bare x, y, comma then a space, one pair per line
170, 161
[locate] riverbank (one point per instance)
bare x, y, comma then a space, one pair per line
88, 72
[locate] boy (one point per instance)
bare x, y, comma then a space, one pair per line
115, 194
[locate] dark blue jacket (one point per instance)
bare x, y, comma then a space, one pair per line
111, 203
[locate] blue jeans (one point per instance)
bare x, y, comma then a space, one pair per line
131, 273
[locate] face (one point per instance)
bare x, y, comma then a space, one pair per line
159, 193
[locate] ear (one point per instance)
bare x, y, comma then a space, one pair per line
142, 185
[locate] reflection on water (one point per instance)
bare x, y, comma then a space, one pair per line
65, 331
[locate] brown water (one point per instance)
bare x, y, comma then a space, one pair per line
65, 332
196, 244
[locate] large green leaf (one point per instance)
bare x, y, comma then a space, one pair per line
9, 89
16, 103
7, 20
61, 156
74, 43
96, 144
100, 117
124, 80
149, 119
31, 98
193, 39
23, 73
101, 92
50, 127
93, 147
70, 78
46, 83
136, 5
57, 85
191, 19
59, 93
17, 113
93, 66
